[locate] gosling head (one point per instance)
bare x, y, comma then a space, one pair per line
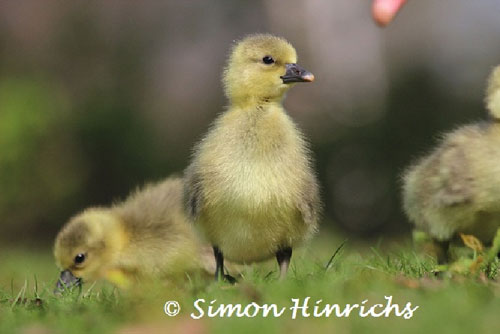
493, 94
85, 246
262, 68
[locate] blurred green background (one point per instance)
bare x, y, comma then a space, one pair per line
98, 97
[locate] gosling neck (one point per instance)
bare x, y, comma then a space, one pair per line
256, 102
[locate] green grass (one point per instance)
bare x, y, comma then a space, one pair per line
447, 304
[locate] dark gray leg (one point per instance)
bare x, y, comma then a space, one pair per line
283, 256
443, 248
219, 267
219, 263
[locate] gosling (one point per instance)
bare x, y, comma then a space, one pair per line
147, 235
250, 186
456, 188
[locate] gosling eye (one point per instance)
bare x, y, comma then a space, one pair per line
268, 60
79, 258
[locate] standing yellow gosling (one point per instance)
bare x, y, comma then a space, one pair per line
456, 188
251, 186
147, 235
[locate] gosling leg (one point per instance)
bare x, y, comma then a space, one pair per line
283, 256
219, 264
219, 267
443, 251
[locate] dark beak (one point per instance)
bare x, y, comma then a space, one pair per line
295, 73
67, 281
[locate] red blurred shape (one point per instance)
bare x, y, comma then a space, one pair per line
383, 11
